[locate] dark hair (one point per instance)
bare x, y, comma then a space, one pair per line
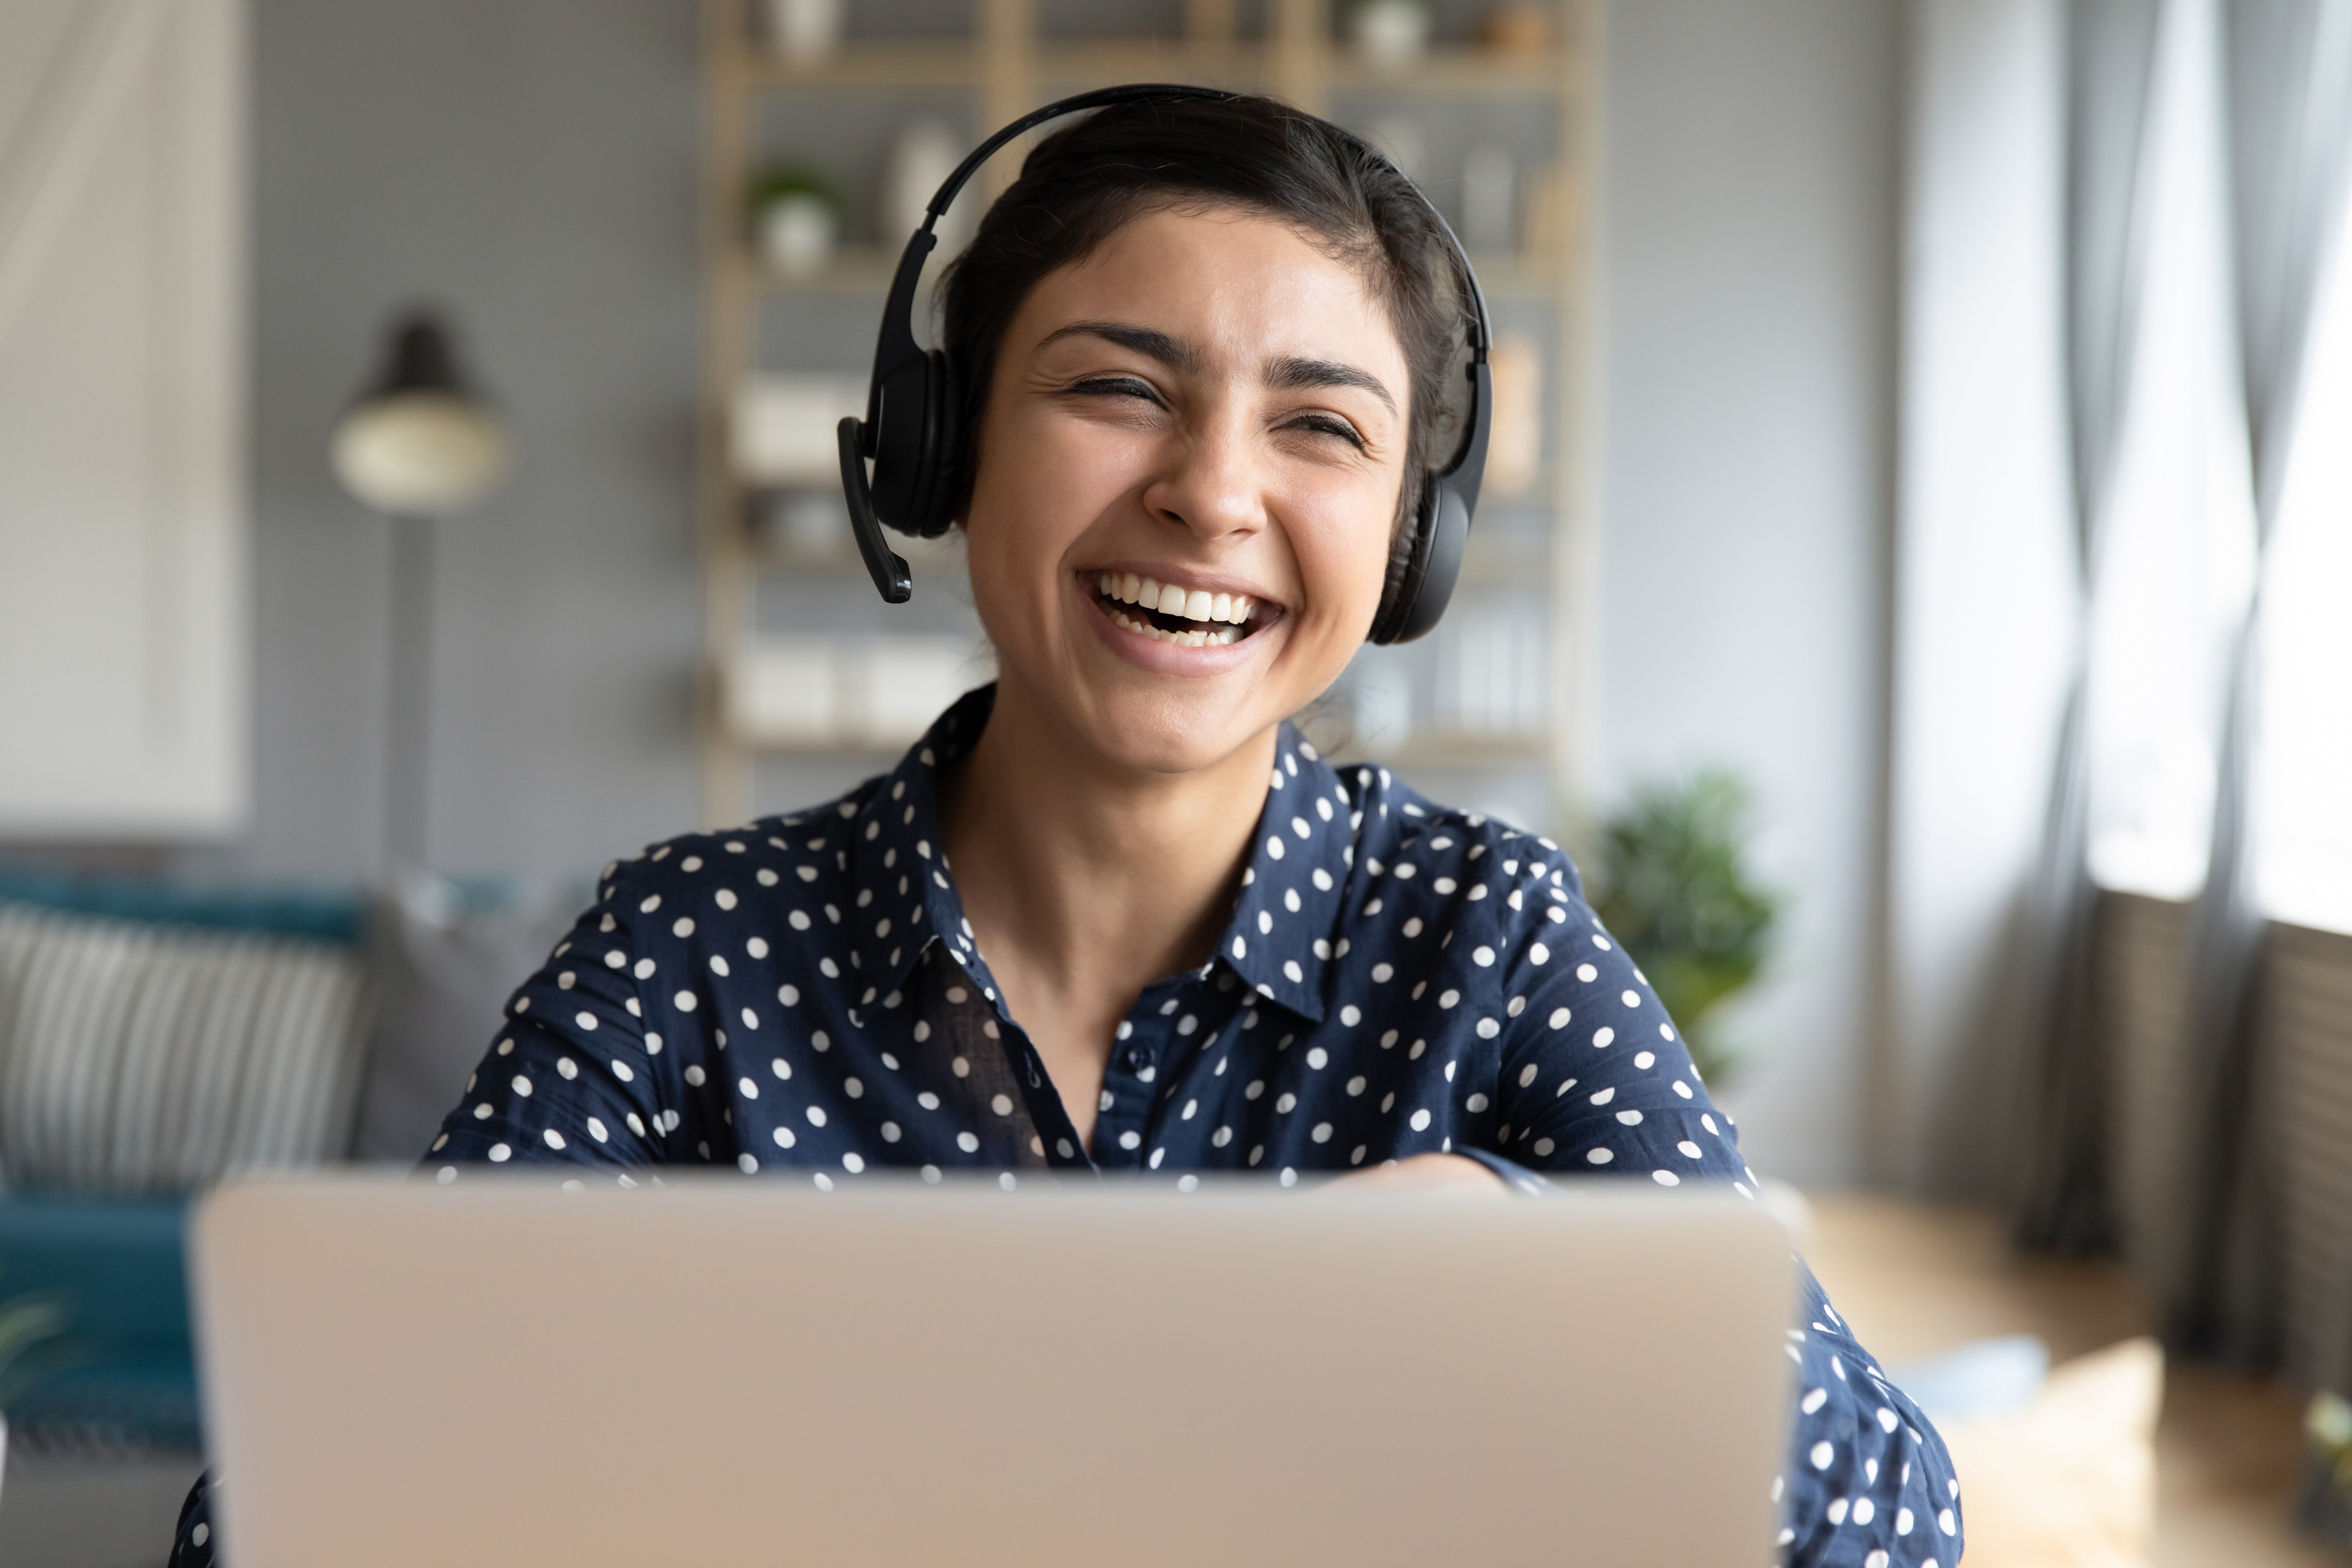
1083, 182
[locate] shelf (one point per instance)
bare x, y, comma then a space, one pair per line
1107, 62
931, 64
1452, 72
788, 558
955, 63
864, 66
854, 270
930, 560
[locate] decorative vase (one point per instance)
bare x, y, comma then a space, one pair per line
1391, 34
798, 233
805, 29
926, 152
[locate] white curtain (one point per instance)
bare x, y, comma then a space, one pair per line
2060, 1191
1988, 590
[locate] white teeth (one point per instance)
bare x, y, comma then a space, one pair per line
1222, 610
1217, 638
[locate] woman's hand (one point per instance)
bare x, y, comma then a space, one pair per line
1427, 1173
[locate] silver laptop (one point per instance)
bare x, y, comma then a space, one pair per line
731, 1372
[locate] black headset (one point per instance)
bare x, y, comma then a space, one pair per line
912, 426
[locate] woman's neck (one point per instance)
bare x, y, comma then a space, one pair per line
1085, 875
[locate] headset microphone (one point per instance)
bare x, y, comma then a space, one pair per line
912, 436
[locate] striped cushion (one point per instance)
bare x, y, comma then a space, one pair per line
140, 1057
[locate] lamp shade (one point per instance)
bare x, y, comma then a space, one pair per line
421, 443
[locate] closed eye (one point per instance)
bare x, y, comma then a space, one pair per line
1114, 386
1325, 424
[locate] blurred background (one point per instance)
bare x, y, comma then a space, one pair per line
1911, 578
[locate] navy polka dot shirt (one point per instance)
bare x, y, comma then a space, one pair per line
803, 998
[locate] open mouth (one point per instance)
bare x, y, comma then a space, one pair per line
1188, 617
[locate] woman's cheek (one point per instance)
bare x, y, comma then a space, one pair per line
1342, 562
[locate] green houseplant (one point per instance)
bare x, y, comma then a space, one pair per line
1677, 890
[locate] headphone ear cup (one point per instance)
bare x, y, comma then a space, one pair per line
1407, 562
1419, 596
916, 458
939, 484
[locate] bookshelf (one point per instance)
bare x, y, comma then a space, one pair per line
984, 63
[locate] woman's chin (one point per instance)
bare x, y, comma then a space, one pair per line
1170, 745
1159, 706
1167, 708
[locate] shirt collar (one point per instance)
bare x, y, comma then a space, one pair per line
1279, 941
895, 834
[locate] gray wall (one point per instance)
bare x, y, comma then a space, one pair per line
530, 165
1751, 227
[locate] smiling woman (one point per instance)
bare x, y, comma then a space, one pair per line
1113, 915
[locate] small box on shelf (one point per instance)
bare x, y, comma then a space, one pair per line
805, 528
827, 694
783, 692
782, 432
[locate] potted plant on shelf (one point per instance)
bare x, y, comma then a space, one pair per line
1676, 889
796, 218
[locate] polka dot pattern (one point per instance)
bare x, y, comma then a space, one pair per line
802, 999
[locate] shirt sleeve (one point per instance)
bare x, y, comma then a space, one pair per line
192, 1537
575, 1075
1594, 1079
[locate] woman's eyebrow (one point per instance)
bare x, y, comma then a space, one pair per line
1174, 353
1295, 375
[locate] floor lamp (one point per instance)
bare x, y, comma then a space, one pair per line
420, 445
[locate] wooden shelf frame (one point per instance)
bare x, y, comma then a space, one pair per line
914, 65
1007, 68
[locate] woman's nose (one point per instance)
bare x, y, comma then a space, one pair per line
1212, 485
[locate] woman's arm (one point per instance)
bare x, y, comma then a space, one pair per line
1594, 1079
575, 1076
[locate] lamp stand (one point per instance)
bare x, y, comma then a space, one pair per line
409, 688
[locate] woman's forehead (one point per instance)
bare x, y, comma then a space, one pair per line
1233, 288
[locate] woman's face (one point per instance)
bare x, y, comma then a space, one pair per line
1208, 414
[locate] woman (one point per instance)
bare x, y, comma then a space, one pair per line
1113, 912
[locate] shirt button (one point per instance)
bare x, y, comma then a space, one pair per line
1138, 1058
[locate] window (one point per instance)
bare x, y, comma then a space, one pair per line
2179, 545
2302, 821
